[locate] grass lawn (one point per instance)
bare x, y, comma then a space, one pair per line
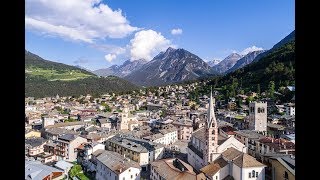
54, 75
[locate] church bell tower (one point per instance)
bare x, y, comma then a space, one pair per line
211, 132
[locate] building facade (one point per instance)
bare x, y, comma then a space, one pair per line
258, 116
142, 151
113, 166
185, 129
66, 147
290, 109
207, 144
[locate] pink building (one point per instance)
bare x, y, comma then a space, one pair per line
185, 128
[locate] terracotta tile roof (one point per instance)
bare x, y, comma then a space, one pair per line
246, 160
212, 168
166, 169
277, 143
240, 159
81, 146
231, 153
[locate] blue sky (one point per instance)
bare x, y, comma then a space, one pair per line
97, 34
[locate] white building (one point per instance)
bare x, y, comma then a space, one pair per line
167, 136
236, 164
258, 116
48, 121
111, 165
220, 157
142, 151
249, 138
85, 153
66, 146
290, 109
206, 144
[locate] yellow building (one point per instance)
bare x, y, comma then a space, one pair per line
32, 133
283, 168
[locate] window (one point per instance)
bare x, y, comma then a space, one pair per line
249, 175
253, 173
257, 174
123, 178
136, 174
131, 176
216, 177
286, 176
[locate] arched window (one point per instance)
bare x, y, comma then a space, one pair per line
253, 173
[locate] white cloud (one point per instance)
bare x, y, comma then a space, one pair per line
84, 20
107, 48
147, 43
110, 57
250, 49
176, 31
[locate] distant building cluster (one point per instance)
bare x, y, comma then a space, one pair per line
159, 135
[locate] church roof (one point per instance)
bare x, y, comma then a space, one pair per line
245, 160
168, 169
200, 134
240, 159
231, 153
212, 168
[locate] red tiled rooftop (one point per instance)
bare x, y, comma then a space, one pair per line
277, 143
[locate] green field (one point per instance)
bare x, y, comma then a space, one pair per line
54, 75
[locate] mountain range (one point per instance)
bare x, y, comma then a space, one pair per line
123, 70
213, 62
277, 66
245, 60
47, 78
171, 66
227, 63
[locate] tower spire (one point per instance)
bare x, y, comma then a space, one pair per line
211, 132
211, 117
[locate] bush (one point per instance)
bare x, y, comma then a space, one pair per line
76, 169
82, 176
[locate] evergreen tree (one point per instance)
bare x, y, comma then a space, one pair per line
258, 89
271, 89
